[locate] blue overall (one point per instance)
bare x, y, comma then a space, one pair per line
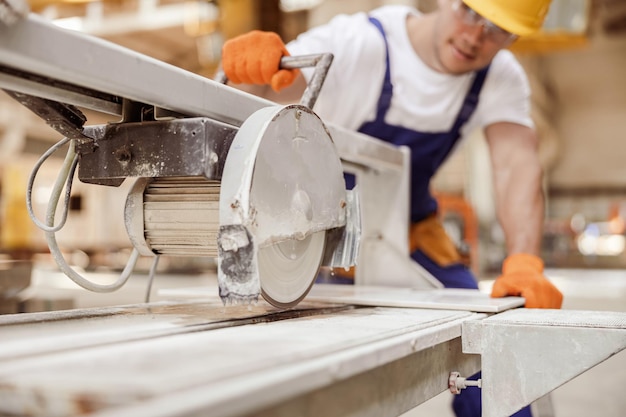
428, 152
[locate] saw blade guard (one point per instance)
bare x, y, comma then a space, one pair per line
282, 188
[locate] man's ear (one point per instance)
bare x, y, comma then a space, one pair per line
510, 42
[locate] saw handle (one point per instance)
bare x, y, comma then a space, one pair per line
321, 62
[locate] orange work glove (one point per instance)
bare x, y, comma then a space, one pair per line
254, 58
430, 237
522, 275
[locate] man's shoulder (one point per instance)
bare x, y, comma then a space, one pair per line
506, 62
391, 13
505, 70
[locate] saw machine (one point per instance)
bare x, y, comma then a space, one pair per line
262, 191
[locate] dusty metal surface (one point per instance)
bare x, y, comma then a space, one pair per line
389, 390
64, 118
526, 353
182, 147
37, 334
134, 363
26, 82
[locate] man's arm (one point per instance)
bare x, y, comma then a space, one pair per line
520, 208
517, 181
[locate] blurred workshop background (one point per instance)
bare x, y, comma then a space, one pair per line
576, 67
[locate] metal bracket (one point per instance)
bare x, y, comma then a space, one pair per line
180, 147
527, 353
64, 118
342, 243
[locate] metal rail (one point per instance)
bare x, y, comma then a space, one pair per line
43, 60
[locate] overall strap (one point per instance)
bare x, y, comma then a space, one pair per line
384, 101
467, 109
471, 99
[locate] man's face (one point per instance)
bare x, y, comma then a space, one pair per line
464, 40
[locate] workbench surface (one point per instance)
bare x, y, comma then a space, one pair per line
199, 357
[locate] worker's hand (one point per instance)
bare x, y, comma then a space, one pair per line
430, 237
254, 58
522, 275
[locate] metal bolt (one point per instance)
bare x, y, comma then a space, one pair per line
456, 382
123, 154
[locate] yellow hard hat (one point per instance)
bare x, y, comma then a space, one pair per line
520, 17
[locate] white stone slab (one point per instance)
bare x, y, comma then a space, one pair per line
26, 335
445, 299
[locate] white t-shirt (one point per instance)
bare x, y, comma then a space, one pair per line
423, 99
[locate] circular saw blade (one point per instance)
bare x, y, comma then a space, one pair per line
283, 184
288, 269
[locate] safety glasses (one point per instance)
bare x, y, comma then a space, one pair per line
469, 17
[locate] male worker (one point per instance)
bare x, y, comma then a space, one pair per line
426, 81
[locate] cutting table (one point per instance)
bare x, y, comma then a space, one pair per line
197, 357
377, 348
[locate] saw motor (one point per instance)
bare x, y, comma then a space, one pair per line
176, 216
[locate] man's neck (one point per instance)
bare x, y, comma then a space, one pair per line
421, 31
